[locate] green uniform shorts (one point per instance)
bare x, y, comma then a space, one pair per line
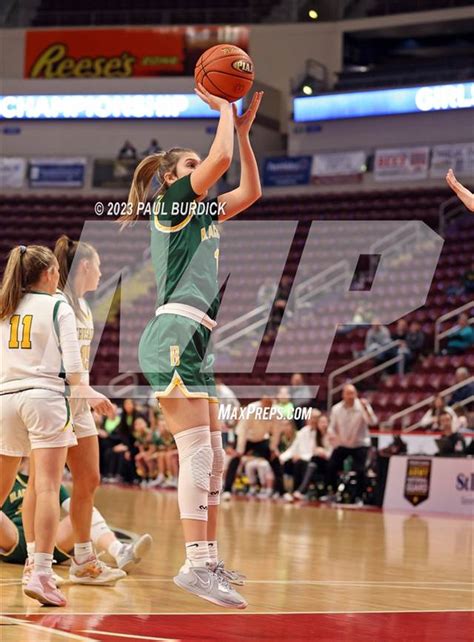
172, 353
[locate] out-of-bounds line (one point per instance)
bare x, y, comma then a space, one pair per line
37, 627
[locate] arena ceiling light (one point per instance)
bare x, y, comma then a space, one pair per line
384, 102
105, 107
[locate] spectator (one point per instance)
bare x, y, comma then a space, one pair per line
415, 340
259, 436
466, 284
468, 280
120, 446
284, 404
377, 336
309, 453
142, 435
153, 148
461, 338
318, 464
465, 391
349, 435
451, 443
127, 152
260, 475
430, 419
401, 331
300, 396
164, 457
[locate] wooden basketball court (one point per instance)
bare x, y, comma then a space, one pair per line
314, 573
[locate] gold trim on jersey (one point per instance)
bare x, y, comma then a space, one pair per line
171, 228
177, 381
20, 480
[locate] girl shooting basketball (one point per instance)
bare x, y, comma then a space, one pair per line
173, 350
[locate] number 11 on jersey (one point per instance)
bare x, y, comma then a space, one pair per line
14, 342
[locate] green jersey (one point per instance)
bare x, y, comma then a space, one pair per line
14, 502
185, 248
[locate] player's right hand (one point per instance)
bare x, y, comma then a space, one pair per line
101, 405
214, 102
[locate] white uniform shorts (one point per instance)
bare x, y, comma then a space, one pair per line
84, 424
36, 418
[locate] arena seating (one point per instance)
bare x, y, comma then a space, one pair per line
43, 217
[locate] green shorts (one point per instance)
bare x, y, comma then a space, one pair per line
172, 353
18, 554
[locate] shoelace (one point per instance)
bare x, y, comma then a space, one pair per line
220, 570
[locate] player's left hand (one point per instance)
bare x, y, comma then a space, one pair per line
244, 123
462, 192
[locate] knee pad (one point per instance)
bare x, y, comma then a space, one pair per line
195, 467
218, 462
201, 467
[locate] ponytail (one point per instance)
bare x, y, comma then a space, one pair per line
154, 166
24, 268
66, 251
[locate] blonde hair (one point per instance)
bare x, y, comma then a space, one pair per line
24, 268
155, 165
66, 251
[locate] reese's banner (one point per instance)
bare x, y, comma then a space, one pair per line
123, 53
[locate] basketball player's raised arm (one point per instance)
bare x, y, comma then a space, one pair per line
461, 192
219, 158
249, 189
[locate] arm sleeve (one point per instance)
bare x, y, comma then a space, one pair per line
67, 335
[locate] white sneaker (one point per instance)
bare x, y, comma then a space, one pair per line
201, 581
288, 497
226, 496
131, 554
157, 482
265, 493
298, 495
93, 571
234, 577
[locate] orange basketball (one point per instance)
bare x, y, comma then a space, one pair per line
225, 71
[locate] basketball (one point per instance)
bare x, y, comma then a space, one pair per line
225, 71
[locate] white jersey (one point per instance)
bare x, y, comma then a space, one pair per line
85, 333
38, 345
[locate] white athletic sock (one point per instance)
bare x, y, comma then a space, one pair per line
82, 552
43, 563
114, 548
213, 554
30, 549
197, 553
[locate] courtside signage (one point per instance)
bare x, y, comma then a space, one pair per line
430, 485
105, 106
384, 102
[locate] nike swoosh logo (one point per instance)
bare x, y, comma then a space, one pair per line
205, 584
190, 545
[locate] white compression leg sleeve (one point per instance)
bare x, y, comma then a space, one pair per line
217, 468
195, 465
99, 526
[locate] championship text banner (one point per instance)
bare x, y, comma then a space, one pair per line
122, 53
